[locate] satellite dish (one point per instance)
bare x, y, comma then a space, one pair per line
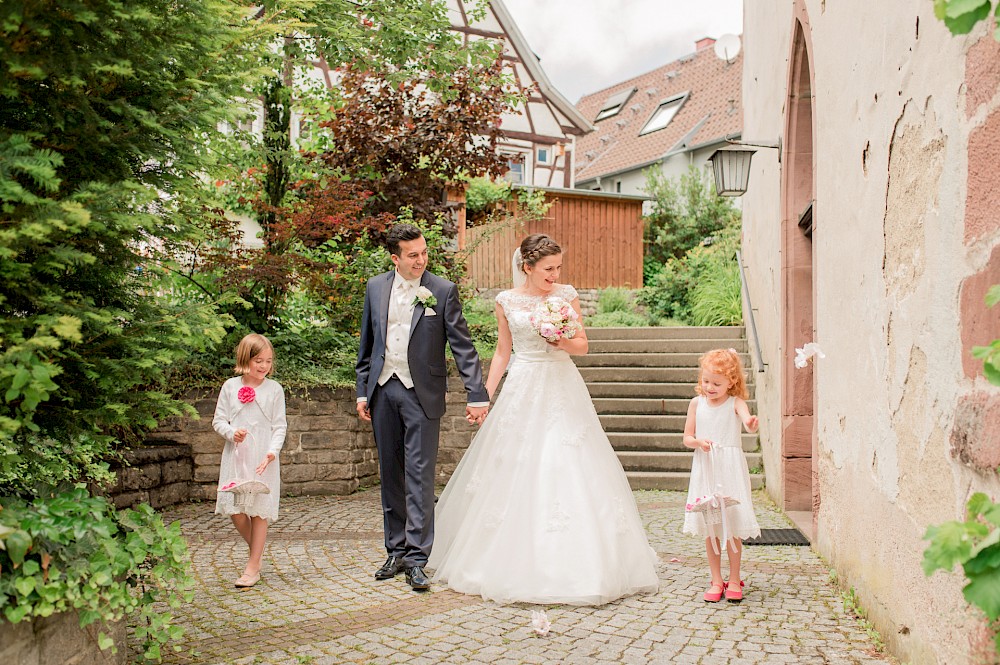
727, 47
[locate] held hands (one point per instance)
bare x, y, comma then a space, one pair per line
263, 465
363, 411
476, 414
751, 424
239, 436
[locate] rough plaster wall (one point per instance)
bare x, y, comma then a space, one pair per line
890, 261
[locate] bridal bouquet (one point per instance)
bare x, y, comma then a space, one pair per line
555, 319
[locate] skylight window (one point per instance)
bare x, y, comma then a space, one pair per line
663, 114
614, 104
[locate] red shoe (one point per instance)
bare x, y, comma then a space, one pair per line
734, 596
713, 597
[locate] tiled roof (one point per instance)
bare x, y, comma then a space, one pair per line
712, 109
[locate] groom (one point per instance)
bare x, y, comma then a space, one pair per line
402, 380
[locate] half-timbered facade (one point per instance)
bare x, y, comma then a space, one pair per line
540, 136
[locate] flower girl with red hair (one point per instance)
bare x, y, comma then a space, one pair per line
719, 504
250, 416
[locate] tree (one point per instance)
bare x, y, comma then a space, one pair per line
685, 212
105, 113
408, 142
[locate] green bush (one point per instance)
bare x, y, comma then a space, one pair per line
671, 294
717, 298
615, 300
617, 319
73, 551
480, 314
685, 211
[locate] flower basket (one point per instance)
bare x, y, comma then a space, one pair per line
245, 491
711, 507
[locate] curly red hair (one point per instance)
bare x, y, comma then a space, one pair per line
727, 363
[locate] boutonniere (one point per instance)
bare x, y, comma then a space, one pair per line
424, 297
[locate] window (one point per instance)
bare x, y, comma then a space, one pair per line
613, 104
663, 114
544, 155
618, 186
515, 175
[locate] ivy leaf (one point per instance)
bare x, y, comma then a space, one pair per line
31, 567
16, 613
962, 22
985, 556
104, 641
993, 295
17, 546
950, 544
977, 504
956, 8
24, 585
983, 591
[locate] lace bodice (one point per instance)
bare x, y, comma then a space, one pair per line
518, 308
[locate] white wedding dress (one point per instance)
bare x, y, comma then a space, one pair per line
539, 510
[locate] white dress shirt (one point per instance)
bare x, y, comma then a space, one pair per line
397, 335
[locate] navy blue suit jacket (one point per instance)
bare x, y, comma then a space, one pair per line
426, 350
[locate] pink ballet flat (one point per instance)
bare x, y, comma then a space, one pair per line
734, 596
713, 597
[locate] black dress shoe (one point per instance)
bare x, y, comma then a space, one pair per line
393, 566
416, 578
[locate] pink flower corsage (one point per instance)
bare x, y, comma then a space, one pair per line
246, 394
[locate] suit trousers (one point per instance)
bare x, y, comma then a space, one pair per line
407, 443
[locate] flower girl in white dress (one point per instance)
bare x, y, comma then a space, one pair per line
539, 510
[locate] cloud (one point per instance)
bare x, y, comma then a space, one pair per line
588, 45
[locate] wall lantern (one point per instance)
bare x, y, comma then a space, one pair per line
731, 165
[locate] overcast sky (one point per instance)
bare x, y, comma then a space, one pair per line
588, 45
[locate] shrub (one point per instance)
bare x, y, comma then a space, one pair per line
717, 298
615, 300
481, 317
671, 293
617, 319
73, 551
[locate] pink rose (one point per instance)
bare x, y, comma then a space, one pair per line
547, 330
246, 394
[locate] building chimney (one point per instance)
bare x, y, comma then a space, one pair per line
704, 42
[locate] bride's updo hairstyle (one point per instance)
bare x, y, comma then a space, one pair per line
727, 363
536, 247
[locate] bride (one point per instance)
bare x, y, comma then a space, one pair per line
539, 510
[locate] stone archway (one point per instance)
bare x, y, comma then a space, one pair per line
798, 440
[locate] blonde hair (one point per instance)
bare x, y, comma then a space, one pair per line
248, 349
727, 363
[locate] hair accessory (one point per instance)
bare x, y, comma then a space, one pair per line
732, 350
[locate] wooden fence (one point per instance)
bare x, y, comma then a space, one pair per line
600, 233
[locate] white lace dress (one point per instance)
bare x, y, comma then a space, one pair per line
539, 510
723, 471
264, 419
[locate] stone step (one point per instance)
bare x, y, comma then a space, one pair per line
667, 461
647, 406
695, 346
673, 480
642, 423
668, 332
601, 359
663, 442
641, 375
600, 389
652, 390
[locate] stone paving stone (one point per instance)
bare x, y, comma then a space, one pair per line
318, 602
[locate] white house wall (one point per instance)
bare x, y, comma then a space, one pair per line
890, 168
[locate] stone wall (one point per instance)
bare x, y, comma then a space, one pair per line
327, 450
159, 475
59, 640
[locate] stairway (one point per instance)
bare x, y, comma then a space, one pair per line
641, 381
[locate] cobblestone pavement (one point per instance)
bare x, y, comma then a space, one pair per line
318, 602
